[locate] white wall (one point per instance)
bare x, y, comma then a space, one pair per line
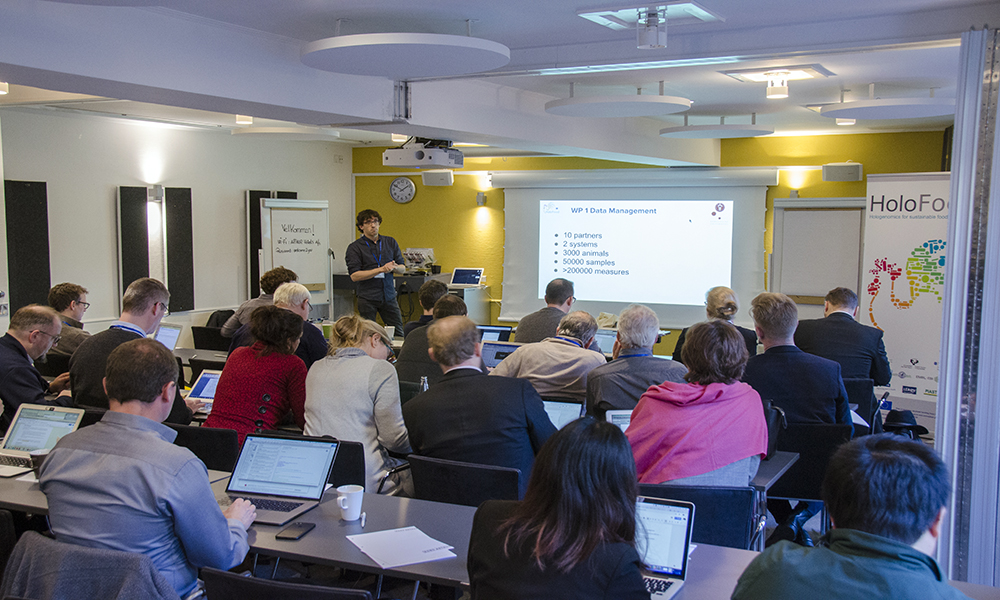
83, 159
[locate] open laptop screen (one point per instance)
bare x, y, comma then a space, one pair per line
38, 428
605, 338
204, 387
494, 352
167, 335
562, 413
494, 333
296, 468
663, 532
466, 276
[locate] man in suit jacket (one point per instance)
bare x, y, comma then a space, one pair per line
467, 416
838, 337
414, 361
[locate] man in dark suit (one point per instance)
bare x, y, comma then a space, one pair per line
33, 331
808, 388
469, 417
838, 337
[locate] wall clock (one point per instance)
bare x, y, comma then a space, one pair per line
402, 189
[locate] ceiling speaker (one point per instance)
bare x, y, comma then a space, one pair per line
445, 177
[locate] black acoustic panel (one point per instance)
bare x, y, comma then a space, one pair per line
134, 234
254, 241
180, 249
286, 195
27, 242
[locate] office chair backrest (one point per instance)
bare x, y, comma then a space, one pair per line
723, 516
456, 482
407, 390
91, 415
210, 338
349, 466
223, 585
217, 448
200, 364
815, 444
53, 366
862, 393
44, 569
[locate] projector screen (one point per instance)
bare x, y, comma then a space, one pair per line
660, 246
597, 246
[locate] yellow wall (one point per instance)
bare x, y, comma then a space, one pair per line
443, 217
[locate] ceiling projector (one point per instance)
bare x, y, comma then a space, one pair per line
423, 155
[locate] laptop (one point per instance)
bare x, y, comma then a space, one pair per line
663, 540
605, 338
283, 476
203, 388
465, 278
494, 352
494, 333
621, 418
167, 335
34, 427
563, 412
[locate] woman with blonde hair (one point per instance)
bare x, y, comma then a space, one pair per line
721, 303
353, 395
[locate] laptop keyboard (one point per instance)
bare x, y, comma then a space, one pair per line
657, 586
14, 461
275, 505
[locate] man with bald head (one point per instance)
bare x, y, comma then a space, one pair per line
469, 417
33, 330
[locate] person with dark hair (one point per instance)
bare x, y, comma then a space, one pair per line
619, 384
70, 301
263, 382
353, 394
544, 322
371, 261
269, 283
143, 307
122, 484
414, 362
806, 387
469, 417
721, 303
558, 366
709, 431
886, 495
295, 297
839, 337
33, 330
430, 292
573, 535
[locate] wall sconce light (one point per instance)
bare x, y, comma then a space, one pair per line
244, 120
481, 199
155, 193
777, 84
4, 88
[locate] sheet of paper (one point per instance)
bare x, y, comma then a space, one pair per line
399, 547
858, 419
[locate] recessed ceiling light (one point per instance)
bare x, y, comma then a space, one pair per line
845, 122
793, 73
244, 120
678, 13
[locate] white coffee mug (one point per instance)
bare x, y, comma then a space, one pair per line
349, 499
389, 329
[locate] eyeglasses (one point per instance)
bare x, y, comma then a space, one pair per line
85, 305
392, 353
166, 311
370, 221
55, 338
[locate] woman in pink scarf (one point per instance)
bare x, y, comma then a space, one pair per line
709, 431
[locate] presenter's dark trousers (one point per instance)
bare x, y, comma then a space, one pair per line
388, 310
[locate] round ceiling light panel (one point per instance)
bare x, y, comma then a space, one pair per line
400, 56
891, 108
617, 106
715, 132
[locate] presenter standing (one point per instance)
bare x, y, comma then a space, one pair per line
371, 260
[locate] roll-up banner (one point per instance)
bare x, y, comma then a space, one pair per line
905, 248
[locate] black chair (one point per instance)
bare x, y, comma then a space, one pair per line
861, 392
723, 516
407, 390
54, 365
181, 382
218, 318
200, 364
217, 448
464, 483
223, 585
349, 466
91, 415
815, 444
210, 338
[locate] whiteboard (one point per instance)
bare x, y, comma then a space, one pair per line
296, 235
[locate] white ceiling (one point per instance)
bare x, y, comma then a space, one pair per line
226, 56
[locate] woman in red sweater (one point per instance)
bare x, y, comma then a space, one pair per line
262, 382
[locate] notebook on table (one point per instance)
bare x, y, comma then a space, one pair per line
663, 540
495, 352
167, 335
203, 388
34, 427
465, 278
562, 412
283, 476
